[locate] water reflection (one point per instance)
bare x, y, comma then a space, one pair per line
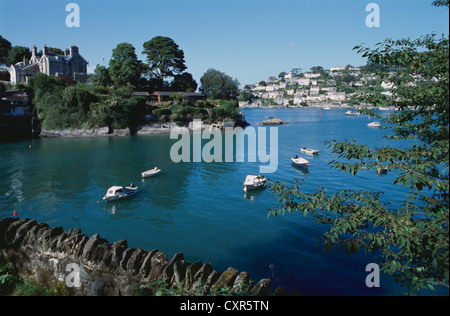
253, 194
302, 170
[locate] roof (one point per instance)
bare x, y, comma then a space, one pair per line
140, 93
183, 94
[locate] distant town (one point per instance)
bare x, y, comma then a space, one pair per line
337, 87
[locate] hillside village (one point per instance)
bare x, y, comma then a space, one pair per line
336, 87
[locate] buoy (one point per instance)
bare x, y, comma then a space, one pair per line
15, 213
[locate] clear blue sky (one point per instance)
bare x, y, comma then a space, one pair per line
247, 39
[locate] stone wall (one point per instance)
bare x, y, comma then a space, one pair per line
47, 255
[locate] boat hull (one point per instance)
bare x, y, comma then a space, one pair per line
309, 151
150, 173
253, 183
300, 162
116, 197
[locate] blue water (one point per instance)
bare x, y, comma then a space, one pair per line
199, 208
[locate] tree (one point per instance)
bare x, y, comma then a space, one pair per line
124, 66
296, 71
5, 47
17, 54
317, 69
164, 57
101, 76
53, 50
218, 85
410, 241
282, 74
184, 82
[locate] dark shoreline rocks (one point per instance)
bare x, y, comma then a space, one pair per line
47, 255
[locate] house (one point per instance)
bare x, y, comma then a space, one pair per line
314, 91
16, 118
70, 64
337, 68
14, 103
167, 96
311, 75
303, 81
276, 94
337, 96
289, 75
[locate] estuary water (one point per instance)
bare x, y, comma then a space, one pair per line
200, 208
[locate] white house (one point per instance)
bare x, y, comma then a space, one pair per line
337, 68
337, 96
312, 75
71, 64
314, 91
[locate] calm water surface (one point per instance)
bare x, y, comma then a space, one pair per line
200, 208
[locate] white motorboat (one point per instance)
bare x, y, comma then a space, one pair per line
300, 162
151, 172
350, 113
374, 124
118, 192
253, 182
309, 151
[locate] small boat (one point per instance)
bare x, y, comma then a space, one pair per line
374, 124
309, 151
151, 172
300, 162
382, 170
253, 182
350, 113
118, 192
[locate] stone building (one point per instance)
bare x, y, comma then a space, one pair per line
70, 64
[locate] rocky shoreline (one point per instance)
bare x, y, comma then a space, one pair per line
147, 129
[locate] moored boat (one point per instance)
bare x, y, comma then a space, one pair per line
300, 162
374, 124
150, 173
118, 192
350, 113
309, 151
253, 182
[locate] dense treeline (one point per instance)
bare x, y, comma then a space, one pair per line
62, 105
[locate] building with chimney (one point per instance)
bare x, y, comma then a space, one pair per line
70, 64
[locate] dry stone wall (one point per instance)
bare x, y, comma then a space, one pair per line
94, 266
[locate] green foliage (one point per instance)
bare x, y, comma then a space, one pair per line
184, 82
163, 288
124, 67
411, 241
5, 47
9, 279
34, 289
17, 54
61, 107
218, 85
164, 57
101, 77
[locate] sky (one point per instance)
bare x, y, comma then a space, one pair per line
249, 40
